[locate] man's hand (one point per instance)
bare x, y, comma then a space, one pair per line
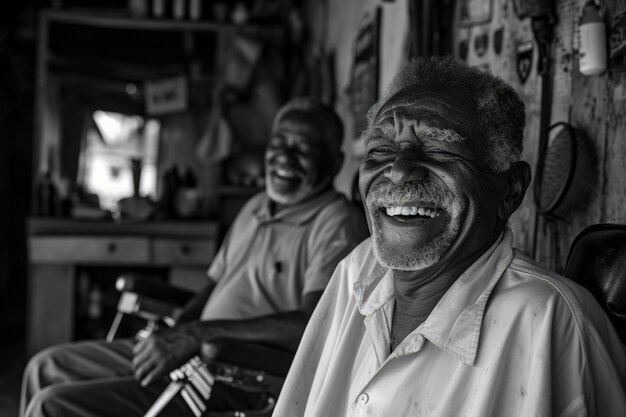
162, 352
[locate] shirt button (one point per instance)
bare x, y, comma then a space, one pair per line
363, 399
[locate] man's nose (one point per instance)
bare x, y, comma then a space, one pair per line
285, 155
404, 169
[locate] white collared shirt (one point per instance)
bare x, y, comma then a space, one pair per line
507, 339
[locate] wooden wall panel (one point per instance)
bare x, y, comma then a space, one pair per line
595, 105
614, 169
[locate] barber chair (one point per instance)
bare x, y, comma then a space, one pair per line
248, 367
597, 261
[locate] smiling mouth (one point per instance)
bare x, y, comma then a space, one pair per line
286, 174
411, 213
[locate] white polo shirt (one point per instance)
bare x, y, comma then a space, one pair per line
267, 263
507, 339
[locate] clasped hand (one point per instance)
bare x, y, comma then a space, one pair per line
162, 352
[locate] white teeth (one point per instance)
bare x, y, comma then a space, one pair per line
393, 211
411, 211
286, 173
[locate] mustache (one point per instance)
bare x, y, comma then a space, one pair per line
387, 193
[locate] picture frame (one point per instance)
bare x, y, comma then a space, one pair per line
474, 12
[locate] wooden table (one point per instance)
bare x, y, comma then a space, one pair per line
57, 246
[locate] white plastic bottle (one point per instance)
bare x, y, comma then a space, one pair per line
592, 32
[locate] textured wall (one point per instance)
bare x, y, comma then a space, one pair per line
594, 105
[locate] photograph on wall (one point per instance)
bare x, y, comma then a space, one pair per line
474, 12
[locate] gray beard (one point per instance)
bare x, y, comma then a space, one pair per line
431, 252
420, 258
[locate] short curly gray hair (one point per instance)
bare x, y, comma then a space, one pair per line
500, 113
322, 116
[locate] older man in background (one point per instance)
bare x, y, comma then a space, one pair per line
263, 285
437, 314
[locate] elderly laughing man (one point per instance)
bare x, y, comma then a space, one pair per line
263, 284
437, 315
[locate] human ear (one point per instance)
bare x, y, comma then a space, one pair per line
516, 181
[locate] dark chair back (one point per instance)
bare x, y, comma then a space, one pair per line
597, 261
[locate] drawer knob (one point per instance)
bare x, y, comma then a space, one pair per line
185, 249
112, 247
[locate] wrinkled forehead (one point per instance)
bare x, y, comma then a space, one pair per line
442, 108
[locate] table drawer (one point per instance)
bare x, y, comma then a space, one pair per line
100, 250
184, 251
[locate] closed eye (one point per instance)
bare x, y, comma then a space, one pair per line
449, 150
381, 151
379, 154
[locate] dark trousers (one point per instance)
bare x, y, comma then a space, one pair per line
95, 379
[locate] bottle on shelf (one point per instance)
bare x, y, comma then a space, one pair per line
47, 195
195, 9
178, 9
158, 9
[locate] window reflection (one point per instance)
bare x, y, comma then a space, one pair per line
111, 142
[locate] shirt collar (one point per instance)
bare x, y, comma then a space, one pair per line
297, 214
455, 322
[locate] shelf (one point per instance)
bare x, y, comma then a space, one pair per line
57, 225
119, 20
100, 84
